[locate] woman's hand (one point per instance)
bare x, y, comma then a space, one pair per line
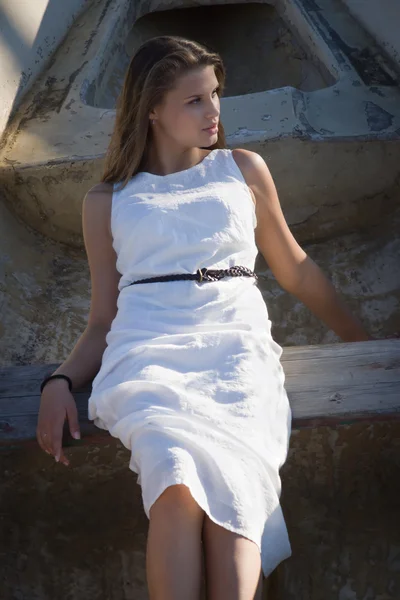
56, 404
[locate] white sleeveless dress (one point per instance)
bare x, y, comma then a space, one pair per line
191, 380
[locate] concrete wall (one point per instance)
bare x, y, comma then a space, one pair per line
29, 34
45, 290
80, 532
381, 19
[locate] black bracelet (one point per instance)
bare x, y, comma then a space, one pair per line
58, 376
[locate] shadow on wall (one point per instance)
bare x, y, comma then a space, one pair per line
28, 52
283, 58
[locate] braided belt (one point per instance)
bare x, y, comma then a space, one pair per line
203, 274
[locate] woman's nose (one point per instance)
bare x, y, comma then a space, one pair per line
213, 112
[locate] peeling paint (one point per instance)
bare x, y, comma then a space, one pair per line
377, 118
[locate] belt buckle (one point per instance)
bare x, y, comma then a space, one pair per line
204, 275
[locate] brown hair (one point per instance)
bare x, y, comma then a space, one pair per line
151, 73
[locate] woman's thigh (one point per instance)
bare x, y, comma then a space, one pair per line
232, 564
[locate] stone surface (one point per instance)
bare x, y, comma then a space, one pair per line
339, 144
80, 531
45, 290
29, 34
332, 146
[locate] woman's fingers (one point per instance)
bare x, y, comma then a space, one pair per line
57, 440
46, 440
43, 440
64, 460
52, 415
72, 415
51, 442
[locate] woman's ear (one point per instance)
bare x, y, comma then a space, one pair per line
153, 115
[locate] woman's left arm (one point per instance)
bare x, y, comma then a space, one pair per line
294, 270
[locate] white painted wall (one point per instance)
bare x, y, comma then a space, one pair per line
30, 31
381, 18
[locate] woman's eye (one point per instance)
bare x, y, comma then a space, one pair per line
193, 101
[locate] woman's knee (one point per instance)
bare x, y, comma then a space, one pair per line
177, 499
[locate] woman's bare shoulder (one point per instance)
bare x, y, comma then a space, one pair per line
100, 189
247, 159
96, 208
250, 163
98, 197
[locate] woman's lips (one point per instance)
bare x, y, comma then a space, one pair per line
212, 129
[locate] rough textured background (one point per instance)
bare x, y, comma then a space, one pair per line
331, 127
80, 532
45, 290
29, 34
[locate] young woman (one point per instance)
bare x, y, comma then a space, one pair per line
187, 374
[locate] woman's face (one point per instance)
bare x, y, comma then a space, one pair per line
190, 109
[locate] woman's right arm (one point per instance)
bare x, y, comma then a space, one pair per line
84, 361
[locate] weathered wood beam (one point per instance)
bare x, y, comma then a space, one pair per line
329, 384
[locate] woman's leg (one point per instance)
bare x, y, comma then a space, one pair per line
173, 556
232, 564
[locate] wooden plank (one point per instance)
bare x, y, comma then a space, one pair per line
329, 385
